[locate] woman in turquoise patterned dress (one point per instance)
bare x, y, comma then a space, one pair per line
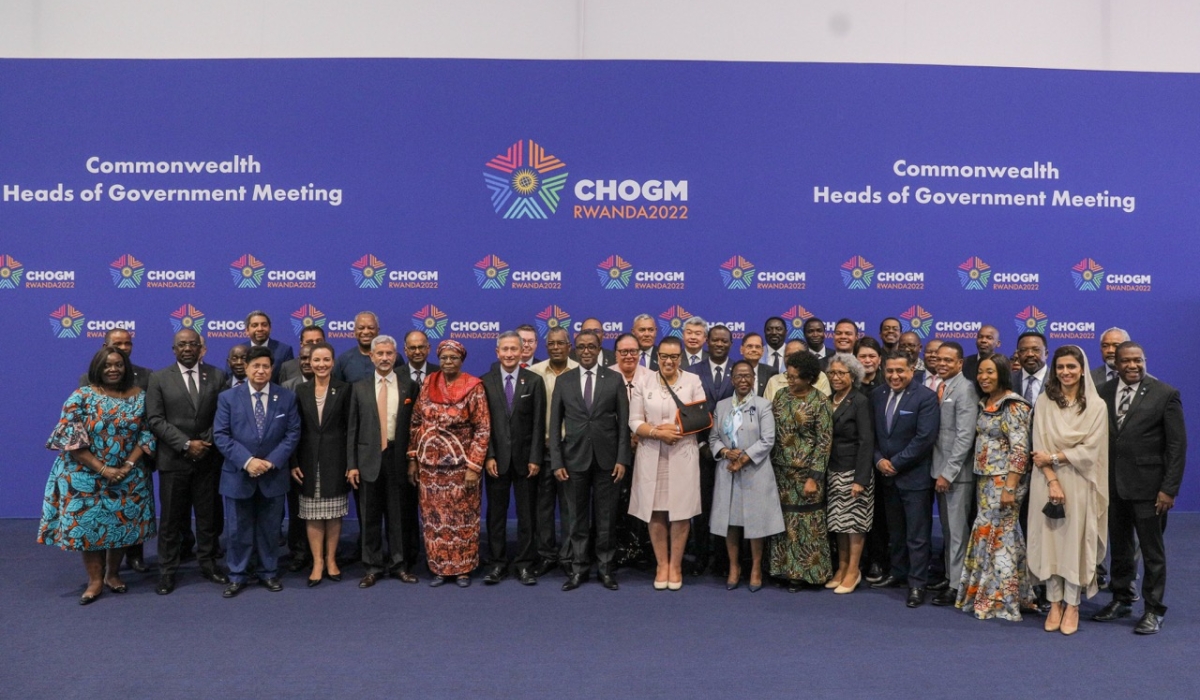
99, 498
995, 582
803, 436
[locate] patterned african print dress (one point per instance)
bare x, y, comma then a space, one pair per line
803, 435
447, 440
81, 510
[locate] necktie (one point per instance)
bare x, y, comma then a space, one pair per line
508, 391
524, 365
260, 413
587, 392
381, 403
191, 387
1030, 389
1123, 407
1112, 374
891, 409
695, 360
941, 390
717, 376
644, 362
775, 361
419, 376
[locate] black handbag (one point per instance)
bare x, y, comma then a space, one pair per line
691, 417
1054, 511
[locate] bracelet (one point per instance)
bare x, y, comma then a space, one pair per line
104, 472
1051, 481
129, 464
651, 435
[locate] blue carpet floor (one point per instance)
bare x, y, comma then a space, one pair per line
404, 641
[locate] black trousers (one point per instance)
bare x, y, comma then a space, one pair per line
551, 491
297, 535
1125, 518
382, 505
910, 524
181, 493
878, 550
701, 537
525, 490
594, 496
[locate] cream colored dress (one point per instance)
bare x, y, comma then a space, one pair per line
665, 477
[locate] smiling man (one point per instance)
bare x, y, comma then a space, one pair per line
355, 365
258, 331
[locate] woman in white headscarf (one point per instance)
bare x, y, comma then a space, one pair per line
1070, 450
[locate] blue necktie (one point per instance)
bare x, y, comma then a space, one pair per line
587, 392
260, 413
891, 409
508, 391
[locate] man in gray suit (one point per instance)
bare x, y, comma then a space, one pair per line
303, 371
1109, 340
953, 463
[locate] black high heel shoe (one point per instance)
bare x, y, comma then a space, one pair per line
333, 577
119, 590
86, 599
314, 582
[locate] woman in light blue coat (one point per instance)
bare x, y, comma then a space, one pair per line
745, 498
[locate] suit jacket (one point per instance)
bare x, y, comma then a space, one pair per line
954, 451
175, 420
853, 446
909, 444
767, 358
518, 436
1147, 453
496, 365
684, 362
1100, 376
236, 436
713, 392
323, 439
600, 435
608, 358
363, 450
289, 370
1019, 382
428, 369
141, 377
763, 374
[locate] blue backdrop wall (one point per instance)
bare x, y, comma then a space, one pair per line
465, 197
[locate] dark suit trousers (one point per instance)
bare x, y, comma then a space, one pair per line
549, 492
593, 495
179, 494
525, 490
910, 524
701, 537
297, 535
382, 505
254, 530
1124, 519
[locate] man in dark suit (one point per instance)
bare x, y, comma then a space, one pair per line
1147, 448
695, 334
1109, 340
775, 333
752, 352
377, 444
814, 341
258, 330
645, 329
907, 419
235, 362
181, 403
517, 403
608, 358
1030, 382
291, 371
256, 429
714, 376
590, 451
304, 369
416, 349
987, 339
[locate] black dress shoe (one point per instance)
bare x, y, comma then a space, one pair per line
463, 581
437, 581
298, 563
313, 582
945, 598
939, 585
233, 589
166, 584
526, 577
874, 574
698, 567
573, 581
139, 565
916, 597
544, 567
1149, 624
493, 577
609, 581
403, 576
273, 585
888, 581
368, 580
214, 575
1115, 610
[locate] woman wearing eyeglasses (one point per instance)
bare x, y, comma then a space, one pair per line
851, 481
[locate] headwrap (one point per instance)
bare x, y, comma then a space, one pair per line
436, 387
454, 345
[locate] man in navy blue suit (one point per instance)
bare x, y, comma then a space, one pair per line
907, 418
258, 330
256, 429
714, 375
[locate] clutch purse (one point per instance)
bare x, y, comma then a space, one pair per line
1054, 511
690, 417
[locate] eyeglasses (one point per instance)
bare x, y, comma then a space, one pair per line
837, 373
587, 346
673, 357
628, 352
187, 344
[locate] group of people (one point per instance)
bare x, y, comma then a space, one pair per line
827, 462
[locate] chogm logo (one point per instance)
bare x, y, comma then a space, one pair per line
187, 317
737, 273
369, 272
306, 316
66, 321
526, 190
1031, 318
11, 272
614, 272
917, 320
552, 317
491, 272
974, 274
857, 273
1087, 275
127, 272
796, 317
431, 320
247, 272
670, 322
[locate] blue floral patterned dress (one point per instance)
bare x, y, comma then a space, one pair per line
81, 510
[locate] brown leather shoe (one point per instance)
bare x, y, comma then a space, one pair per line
404, 576
368, 580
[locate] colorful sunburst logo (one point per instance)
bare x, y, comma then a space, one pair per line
247, 272
11, 272
431, 320
974, 274
857, 273
796, 317
737, 273
615, 272
187, 317
305, 316
66, 321
552, 317
670, 322
491, 272
1087, 274
127, 272
525, 189
917, 320
1031, 318
369, 272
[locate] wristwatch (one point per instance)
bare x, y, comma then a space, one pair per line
1009, 489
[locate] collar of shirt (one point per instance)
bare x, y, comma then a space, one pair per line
184, 370
724, 366
583, 376
1040, 374
505, 375
266, 391
1125, 386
